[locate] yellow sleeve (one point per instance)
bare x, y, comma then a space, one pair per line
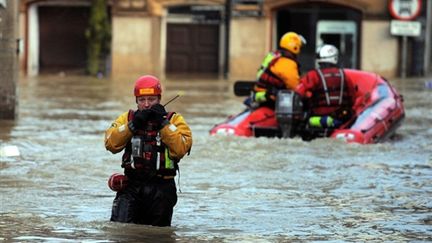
118, 134
177, 136
287, 70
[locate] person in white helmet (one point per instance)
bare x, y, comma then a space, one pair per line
326, 91
354, 105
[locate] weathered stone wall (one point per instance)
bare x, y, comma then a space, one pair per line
249, 43
379, 50
135, 45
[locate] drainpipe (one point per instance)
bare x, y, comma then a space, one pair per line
227, 36
428, 38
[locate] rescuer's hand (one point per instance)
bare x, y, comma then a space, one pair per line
158, 114
140, 118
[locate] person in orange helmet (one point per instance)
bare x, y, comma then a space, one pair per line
153, 141
279, 70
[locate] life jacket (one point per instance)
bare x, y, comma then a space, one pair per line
154, 159
265, 78
331, 94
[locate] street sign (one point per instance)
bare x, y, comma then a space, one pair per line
405, 28
405, 9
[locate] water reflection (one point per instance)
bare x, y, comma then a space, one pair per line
233, 189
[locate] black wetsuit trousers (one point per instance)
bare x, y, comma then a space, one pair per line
149, 203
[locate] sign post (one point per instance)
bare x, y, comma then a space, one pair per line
405, 29
405, 11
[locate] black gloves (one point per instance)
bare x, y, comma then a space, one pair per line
158, 114
139, 119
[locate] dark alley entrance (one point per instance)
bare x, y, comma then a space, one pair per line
319, 24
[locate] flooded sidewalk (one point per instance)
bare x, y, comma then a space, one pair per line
54, 186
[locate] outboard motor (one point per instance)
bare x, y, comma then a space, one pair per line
289, 112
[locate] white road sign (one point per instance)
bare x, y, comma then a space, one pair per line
407, 28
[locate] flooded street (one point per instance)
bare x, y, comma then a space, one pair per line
233, 189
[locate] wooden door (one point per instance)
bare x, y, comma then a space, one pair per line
192, 48
62, 38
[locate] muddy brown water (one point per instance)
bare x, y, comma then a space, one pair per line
234, 189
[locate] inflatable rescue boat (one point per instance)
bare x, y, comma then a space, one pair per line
376, 119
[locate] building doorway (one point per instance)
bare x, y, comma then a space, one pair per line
343, 35
192, 48
193, 40
322, 23
62, 38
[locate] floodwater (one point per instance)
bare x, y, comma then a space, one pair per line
233, 189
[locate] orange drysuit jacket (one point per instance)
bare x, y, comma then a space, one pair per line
287, 70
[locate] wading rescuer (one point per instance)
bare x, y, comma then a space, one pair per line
153, 141
326, 91
279, 70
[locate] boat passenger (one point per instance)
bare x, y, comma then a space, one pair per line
347, 101
326, 91
279, 70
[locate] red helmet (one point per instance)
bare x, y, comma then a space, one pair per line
147, 85
117, 182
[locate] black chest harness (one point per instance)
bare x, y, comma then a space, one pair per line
332, 91
146, 155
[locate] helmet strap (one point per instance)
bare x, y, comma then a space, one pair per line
287, 53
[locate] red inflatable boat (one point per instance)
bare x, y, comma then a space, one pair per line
377, 114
